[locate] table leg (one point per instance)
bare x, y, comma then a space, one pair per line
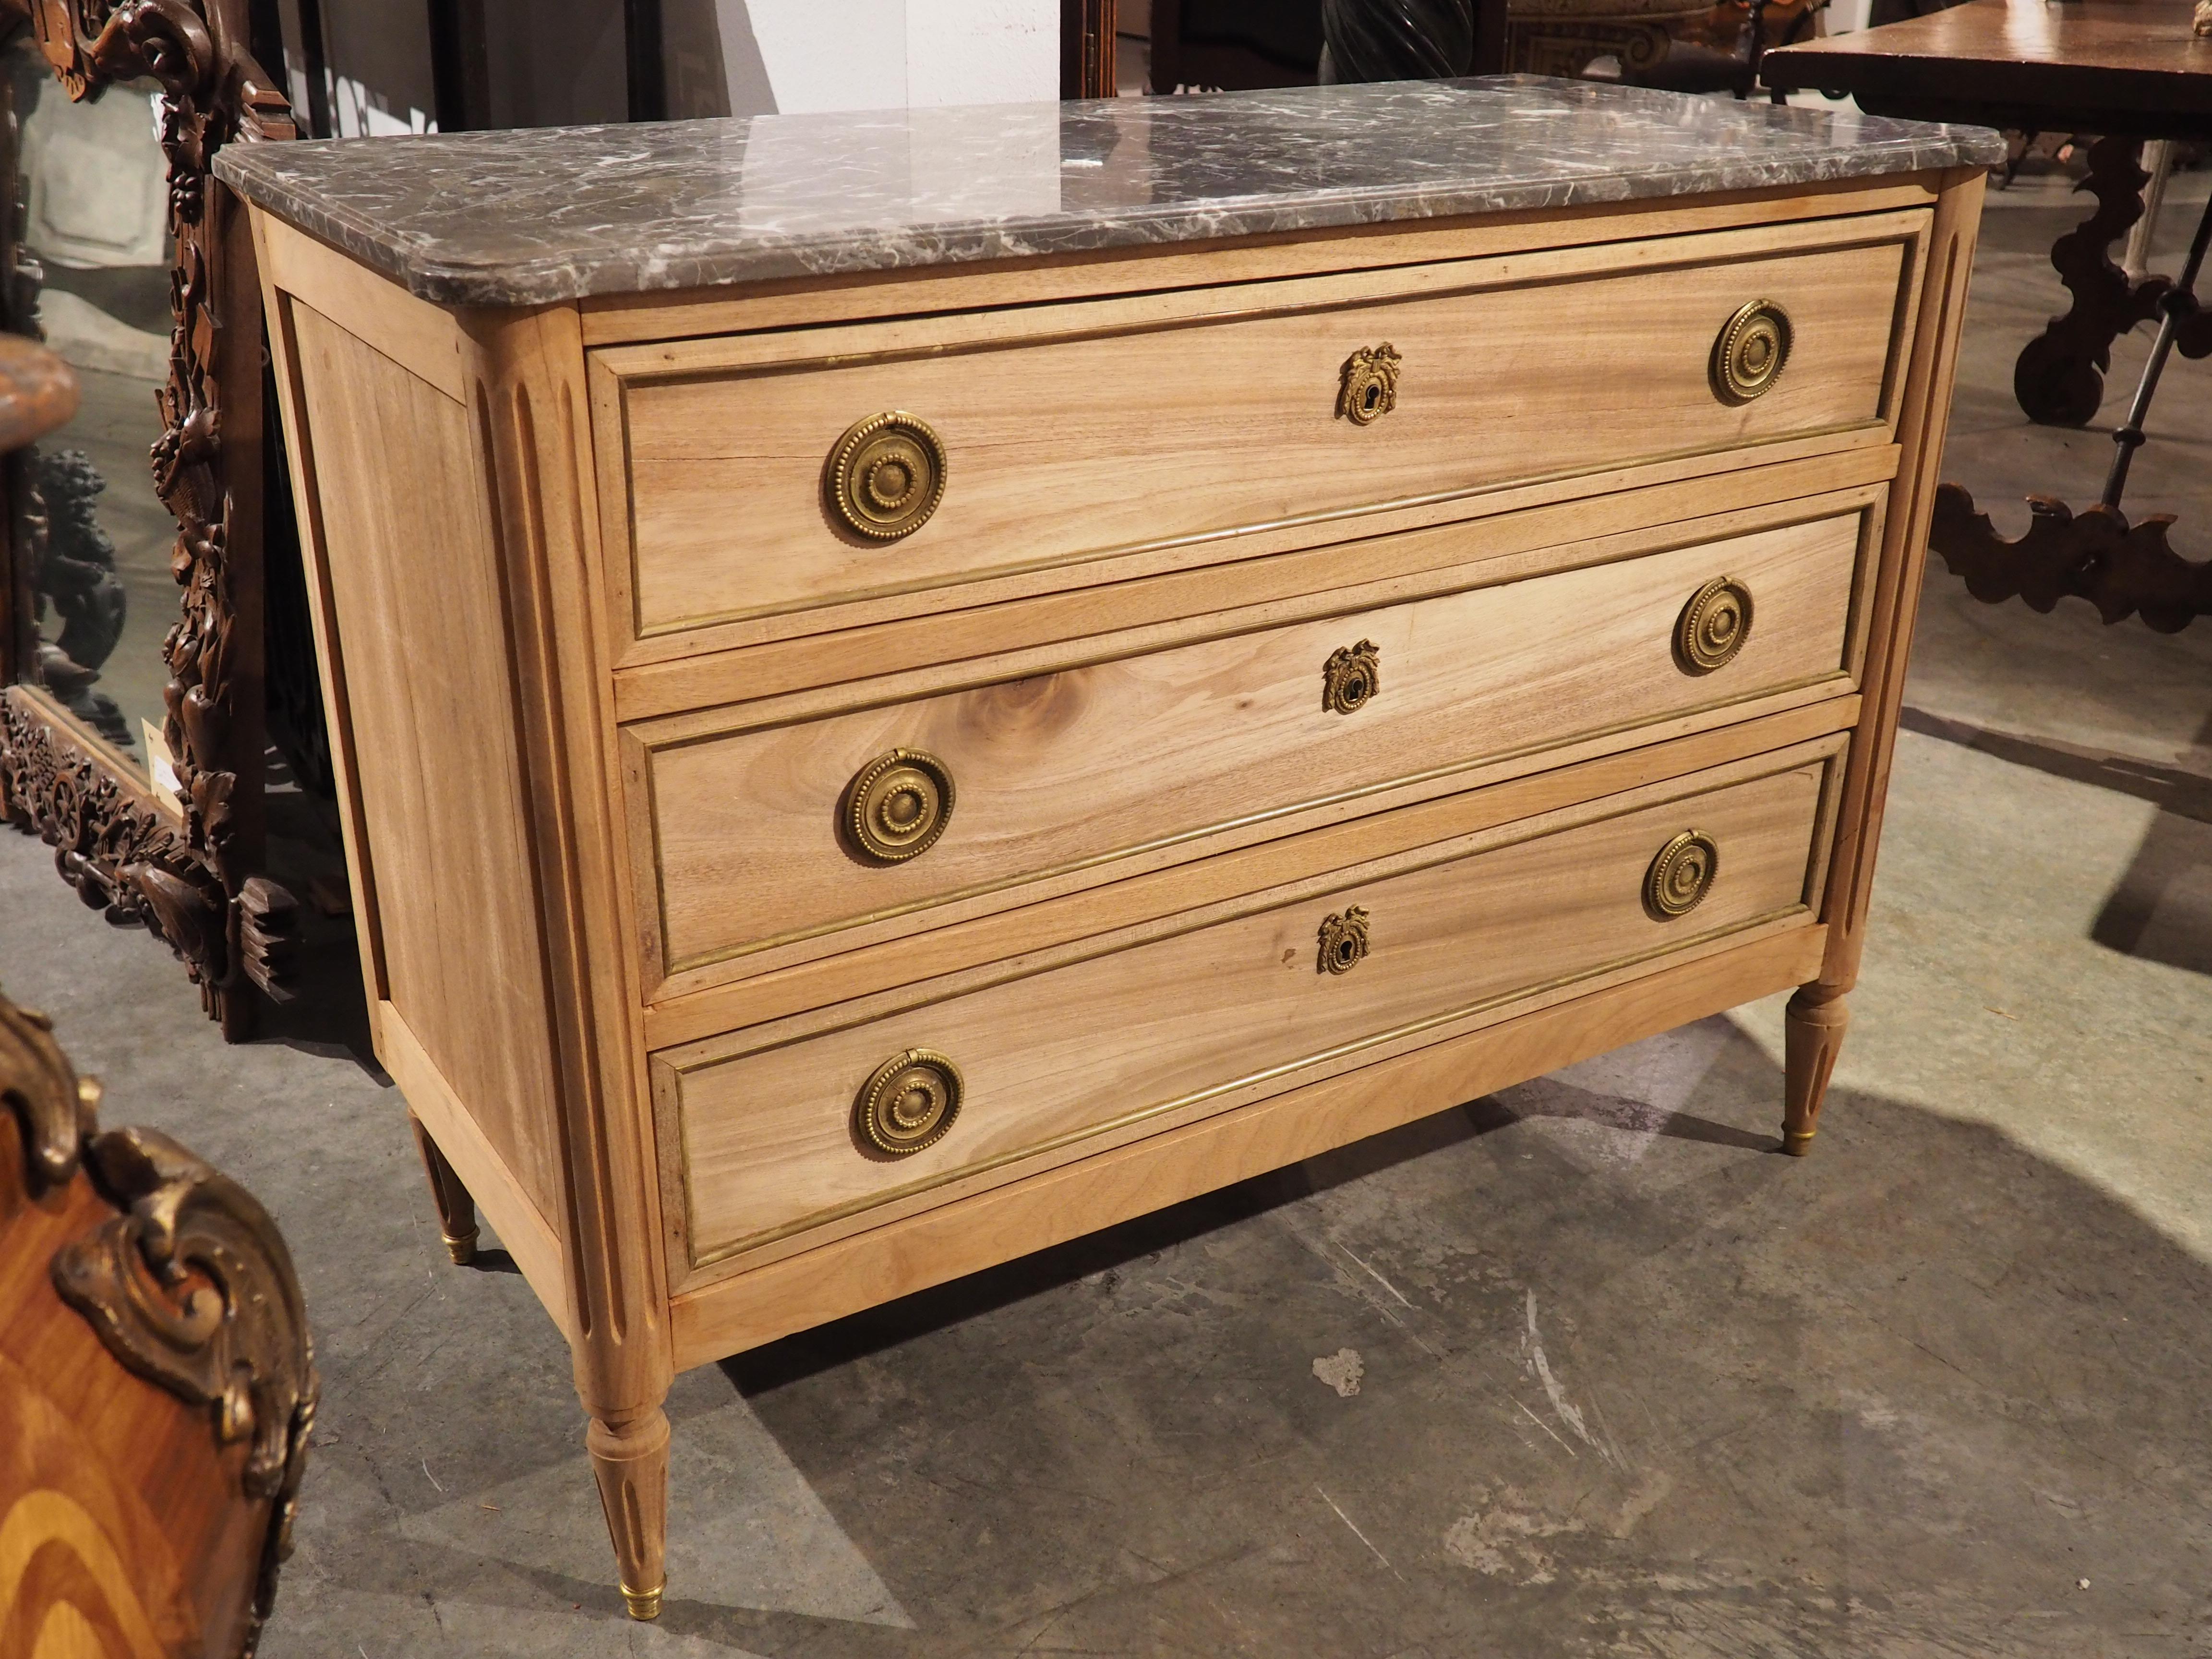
2121, 568
2059, 379
457, 1211
630, 1460
1813, 1029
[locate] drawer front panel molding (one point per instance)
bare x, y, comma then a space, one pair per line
763, 836
1069, 432
769, 1140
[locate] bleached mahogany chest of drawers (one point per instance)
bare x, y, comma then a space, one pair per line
909, 686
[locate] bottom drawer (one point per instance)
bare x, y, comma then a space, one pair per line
776, 1139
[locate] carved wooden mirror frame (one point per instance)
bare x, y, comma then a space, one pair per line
195, 880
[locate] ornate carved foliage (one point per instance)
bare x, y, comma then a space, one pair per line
2098, 556
196, 889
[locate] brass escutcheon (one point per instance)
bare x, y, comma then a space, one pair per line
1681, 875
1749, 354
1369, 390
1713, 626
1343, 942
886, 476
898, 804
907, 1103
1350, 677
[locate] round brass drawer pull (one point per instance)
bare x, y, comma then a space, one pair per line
1369, 390
898, 804
907, 1103
1343, 942
1713, 626
1352, 675
1681, 875
1748, 357
886, 476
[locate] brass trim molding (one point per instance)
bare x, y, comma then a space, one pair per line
713, 1255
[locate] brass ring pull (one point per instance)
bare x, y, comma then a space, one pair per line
898, 804
907, 1103
1713, 626
1681, 875
1343, 942
1350, 677
886, 476
1369, 388
1749, 354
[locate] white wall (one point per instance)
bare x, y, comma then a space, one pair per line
882, 54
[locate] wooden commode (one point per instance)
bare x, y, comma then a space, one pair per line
908, 686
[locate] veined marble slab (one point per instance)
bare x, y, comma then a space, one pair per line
544, 216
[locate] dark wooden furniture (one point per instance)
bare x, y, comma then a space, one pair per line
195, 877
1685, 45
1087, 30
157, 1387
2128, 70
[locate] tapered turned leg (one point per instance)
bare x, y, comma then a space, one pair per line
631, 1458
1813, 1028
457, 1211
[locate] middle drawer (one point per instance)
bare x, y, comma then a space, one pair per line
780, 833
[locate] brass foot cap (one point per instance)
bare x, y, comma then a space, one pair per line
642, 1604
462, 1250
1797, 1142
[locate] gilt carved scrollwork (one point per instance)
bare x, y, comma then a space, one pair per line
192, 1287
188, 1285
52, 1105
198, 887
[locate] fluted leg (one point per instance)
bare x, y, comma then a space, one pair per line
1814, 1030
457, 1211
629, 1456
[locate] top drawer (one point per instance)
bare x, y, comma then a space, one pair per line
1050, 435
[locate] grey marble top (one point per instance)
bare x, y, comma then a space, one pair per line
539, 216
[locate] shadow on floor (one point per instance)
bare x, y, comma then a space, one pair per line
1613, 1391
2160, 910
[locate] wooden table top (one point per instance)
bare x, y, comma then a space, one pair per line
2106, 66
38, 392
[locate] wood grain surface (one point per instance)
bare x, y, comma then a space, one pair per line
1089, 765
1074, 430
456, 947
123, 1530
1000, 1223
766, 1137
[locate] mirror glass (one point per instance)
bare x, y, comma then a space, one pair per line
93, 274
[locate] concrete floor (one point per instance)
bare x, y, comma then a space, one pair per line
1582, 1369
